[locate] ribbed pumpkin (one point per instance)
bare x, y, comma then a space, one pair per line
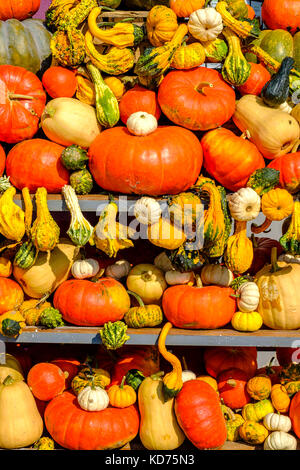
77, 429
281, 14
27, 43
137, 99
198, 307
11, 295
87, 303
19, 10
199, 415
167, 161
218, 359
36, 163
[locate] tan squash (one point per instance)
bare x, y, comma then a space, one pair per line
49, 270
11, 367
159, 429
20, 421
273, 131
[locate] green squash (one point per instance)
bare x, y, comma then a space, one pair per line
81, 181
185, 259
134, 378
280, 44
25, 44
276, 91
113, 335
74, 157
215, 51
238, 8
26, 255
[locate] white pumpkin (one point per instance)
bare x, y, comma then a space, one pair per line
248, 299
244, 204
173, 278
277, 422
119, 269
93, 399
141, 123
279, 440
85, 268
147, 210
217, 275
162, 262
205, 24
188, 375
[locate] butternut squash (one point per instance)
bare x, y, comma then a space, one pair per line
274, 132
159, 429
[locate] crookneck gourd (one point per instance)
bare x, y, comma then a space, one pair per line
45, 231
28, 210
217, 221
244, 29
107, 106
120, 35
143, 315
263, 180
12, 218
236, 70
156, 60
115, 62
172, 381
239, 251
63, 14
80, 230
276, 91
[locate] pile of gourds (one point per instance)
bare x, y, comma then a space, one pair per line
230, 399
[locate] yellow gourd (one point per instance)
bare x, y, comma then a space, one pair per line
280, 398
11, 367
116, 85
12, 218
259, 387
45, 231
239, 251
253, 432
148, 282
5, 267
172, 382
20, 421
166, 235
32, 309
161, 25
159, 429
257, 411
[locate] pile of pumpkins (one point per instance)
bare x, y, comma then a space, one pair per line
65, 402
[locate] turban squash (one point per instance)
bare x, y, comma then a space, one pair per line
167, 161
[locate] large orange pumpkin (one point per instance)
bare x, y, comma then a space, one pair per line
258, 77
36, 163
167, 161
281, 14
230, 159
22, 100
2, 160
294, 413
77, 429
199, 415
198, 99
183, 8
137, 99
18, 9
289, 167
87, 303
218, 359
11, 295
198, 307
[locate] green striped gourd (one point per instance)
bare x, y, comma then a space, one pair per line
80, 230
143, 315
107, 106
26, 255
87, 377
236, 70
113, 334
45, 231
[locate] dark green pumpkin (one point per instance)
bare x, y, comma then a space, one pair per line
134, 378
11, 327
81, 181
74, 157
276, 91
25, 44
26, 255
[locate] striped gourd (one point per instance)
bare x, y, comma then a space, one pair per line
26, 255
45, 231
236, 70
113, 334
90, 377
243, 29
107, 106
143, 315
80, 230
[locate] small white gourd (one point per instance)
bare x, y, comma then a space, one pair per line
280, 440
216, 274
277, 422
85, 268
248, 299
141, 123
93, 399
173, 278
119, 269
288, 258
162, 262
186, 373
205, 24
244, 204
147, 210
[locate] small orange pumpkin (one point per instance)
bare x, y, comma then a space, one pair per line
280, 398
121, 396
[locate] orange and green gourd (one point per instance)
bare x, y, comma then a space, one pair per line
172, 381
113, 335
236, 70
80, 230
45, 231
143, 315
81, 181
90, 377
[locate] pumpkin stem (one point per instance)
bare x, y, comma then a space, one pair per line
261, 228
138, 298
122, 383
231, 383
8, 380
17, 96
254, 242
295, 148
275, 268
148, 276
184, 363
198, 280
202, 85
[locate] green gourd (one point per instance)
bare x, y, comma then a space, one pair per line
107, 106
74, 157
134, 378
143, 315
236, 69
216, 50
26, 255
113, 335
276, 91
81, 181
80, 230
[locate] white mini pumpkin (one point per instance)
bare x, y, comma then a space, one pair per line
216, 274
173, 278
288, 258
277, 422
93, 399
147, 210
188, 375
244, 204
248, 299
279, 440
141, 123
85, 268
119, 269
205, 24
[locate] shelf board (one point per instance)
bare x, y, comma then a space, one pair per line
177, 337
88, 202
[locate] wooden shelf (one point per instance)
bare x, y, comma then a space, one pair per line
177, 337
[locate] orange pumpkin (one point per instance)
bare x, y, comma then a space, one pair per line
46, 381
183, 8
232, 386
218, 359
281, 14
19, 10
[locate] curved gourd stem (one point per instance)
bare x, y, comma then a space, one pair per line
137, 297
261, 228
28, 210
202, 85
275, 268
